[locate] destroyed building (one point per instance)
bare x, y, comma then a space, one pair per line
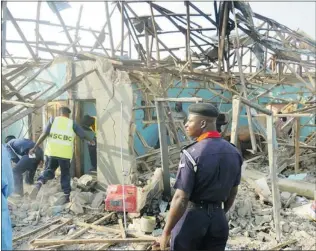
254, 69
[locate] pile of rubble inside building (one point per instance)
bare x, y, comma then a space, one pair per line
260, 77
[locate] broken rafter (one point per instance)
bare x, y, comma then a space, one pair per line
130, 27
11, 87
46, 46
13, 102
18, 29
155, 31
202, 14
180, 29
60, 91
101, 45
44, 22
38, 13
78, 23
64, 26
35, 75
150, 32
122, 30
108, 18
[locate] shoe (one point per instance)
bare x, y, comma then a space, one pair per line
35, 190
67, 200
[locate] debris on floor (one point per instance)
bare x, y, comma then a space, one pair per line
84, 223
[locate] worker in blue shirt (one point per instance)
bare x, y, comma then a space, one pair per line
7, 185
22, 163
206, 186
60, 134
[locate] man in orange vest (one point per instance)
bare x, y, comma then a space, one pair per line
60, 134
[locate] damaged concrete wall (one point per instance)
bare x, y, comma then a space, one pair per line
109, 88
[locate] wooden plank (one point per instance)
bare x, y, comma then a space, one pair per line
72, 44
182, 100
120, 43
155, 31
222, 34
122, 230
47, 242
254, 105
35, 231
235, 121
162, 130
80, 232
11, 87
244, 88
54, 229
18, 71
150, 32
272, 150
122, 30
188, 50
148, 56
35, 75
297, 145
98, 228
78, 23
45, 22
18, 29
45, 44
283, 244
97, 40
13, 102
108, 18
64, 27
38, 13
4, 29
60, 91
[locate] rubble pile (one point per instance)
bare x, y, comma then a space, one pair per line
250, 220
251, 223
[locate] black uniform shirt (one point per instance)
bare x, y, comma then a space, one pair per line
218, 170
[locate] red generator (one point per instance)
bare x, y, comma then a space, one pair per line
114, 198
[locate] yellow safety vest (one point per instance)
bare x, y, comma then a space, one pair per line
60, 142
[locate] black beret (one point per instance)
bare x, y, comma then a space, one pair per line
204, 109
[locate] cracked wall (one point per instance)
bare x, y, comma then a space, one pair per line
109, 88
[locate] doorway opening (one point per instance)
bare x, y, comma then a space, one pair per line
88, 122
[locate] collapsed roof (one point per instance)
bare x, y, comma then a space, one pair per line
229, 47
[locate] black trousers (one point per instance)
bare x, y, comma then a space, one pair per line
52, 163
201, 229
25, 165
93, 156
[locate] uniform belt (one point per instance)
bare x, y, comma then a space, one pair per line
206, 205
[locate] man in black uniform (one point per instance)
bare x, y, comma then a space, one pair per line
206, 186
22, 162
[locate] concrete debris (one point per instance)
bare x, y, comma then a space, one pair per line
76, 208
245, 208
55, 210
251, 224
57, 199
285, 195
86, 182
98, 200
235, 230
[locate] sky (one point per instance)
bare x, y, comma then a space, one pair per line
295, 15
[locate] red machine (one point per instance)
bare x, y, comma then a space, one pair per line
114, 198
